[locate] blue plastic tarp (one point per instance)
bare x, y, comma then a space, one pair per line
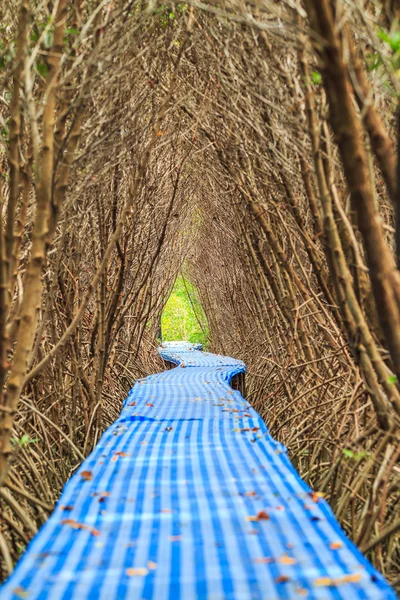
187, 496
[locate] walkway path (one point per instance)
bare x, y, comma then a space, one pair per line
188, 497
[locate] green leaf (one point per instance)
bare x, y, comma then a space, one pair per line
357, 456
348, 453
42, 69
392, 379
391, 38
316, 77
24, 440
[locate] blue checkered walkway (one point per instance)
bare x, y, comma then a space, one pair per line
188, 497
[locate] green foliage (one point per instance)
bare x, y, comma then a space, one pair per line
392, 379
183, 317
42, 69
316, 77
24, 441
392, 39
166, 13
357, 456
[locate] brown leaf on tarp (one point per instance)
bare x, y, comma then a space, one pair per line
152, 565
301, 591
132, 404
168, 429
329, 582
20, 592
82, 526
138, 571
252, 493
282, 579
166, 510
254, 429
149, 404
117, 455
87, 475
265, 560
316, 496
260, 516
67, 507
335, 545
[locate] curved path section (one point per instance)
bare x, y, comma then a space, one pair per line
187, 496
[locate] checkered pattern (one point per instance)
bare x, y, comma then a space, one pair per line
186, 497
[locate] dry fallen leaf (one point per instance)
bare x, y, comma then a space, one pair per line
260, 516
86, 475
138, 571
68, 507
282, 579
329, 582
301, 591
152, 565
149, 404
265, 560
335, 545
82, 526
252, 493
132, 404
20, 592
316, 496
